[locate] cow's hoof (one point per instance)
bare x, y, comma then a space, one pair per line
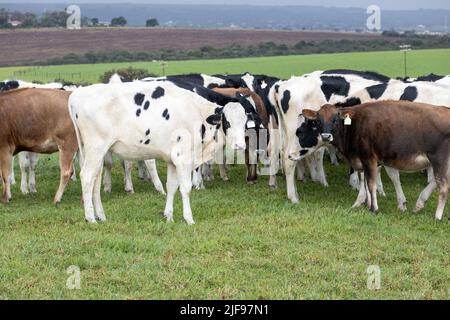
190, 222
382, 193
225, 179
24, 190
107, 190
273, 187
100, 218
129, 192
91, 220
402, 207
418, 208
250, 182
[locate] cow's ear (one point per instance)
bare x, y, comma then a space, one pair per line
309, 114
214, 119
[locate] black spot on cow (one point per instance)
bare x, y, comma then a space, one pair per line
146, 105
334, 85
369, 75
353, 101
430, 78
147, 141
158, 93
203, 131
410, 94
76, 115
303, 152
139, 99
140, 141
138, 112
376, 91
277, 87
166, 114
285, 101
178, 139
308, 134
147, 132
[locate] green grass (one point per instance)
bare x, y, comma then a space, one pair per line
420, 62
248, 243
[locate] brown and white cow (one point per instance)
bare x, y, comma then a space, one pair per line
407, 136
250, 150
36, 120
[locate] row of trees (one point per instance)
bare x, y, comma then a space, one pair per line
54, 19
260, 50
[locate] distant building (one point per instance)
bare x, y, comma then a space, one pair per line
15, 23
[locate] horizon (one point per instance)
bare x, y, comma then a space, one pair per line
401, 5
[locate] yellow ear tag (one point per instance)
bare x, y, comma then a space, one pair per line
347, 120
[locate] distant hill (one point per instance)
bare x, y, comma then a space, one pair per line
256, 17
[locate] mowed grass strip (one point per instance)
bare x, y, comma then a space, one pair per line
248, 243
391, 63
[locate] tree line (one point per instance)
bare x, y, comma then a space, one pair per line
259, 50
55, 19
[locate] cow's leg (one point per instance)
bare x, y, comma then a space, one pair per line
289, 169
333, 156
274, 157
440, 165
34, 157
142, 174
362, 193
24, 163
318, 156
88, 176
65, 165
301, 170
207, 172
108, 163
197, 179
430, 174
184, 179
371, 173
223, 172
171, 186
96, 196
424, 195
150, 165
394, 175
128, 167
74, 173
5, 166
380, 188
12, 177
354, 180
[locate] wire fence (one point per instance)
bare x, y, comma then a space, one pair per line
42, 75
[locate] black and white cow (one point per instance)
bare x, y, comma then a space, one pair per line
311, 91
149, 120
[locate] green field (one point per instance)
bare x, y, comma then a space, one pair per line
391, 63
248, 242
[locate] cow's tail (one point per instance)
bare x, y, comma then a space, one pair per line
73, 116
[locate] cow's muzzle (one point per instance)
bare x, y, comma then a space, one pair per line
327, 137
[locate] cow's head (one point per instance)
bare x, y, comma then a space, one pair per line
325, 120
233, 120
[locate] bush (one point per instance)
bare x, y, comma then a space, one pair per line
128, 74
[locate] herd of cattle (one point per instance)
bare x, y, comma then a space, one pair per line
186, 120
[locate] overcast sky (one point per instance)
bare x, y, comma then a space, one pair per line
384, 4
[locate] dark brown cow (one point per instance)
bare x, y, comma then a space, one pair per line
36, 120
407, 136
252, 175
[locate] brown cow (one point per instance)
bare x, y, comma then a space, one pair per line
404, 135
252, 175
36, 120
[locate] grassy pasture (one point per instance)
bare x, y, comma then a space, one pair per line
419, 62
248, 242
